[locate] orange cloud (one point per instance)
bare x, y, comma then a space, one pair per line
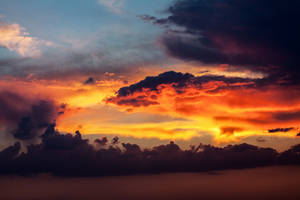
218, 103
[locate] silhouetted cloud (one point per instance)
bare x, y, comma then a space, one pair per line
276, 130
40, 117
151, 86
101, 142
90, 81
115, 140
237, 33
26, 117
70, 155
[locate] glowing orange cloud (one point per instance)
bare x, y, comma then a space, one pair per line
231, 107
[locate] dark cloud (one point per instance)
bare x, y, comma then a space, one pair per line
291, 156
25, 118
179, 82
40, 117
265, 117
10, 152
276, 130
287, 115
101, 142
260, 35
12, 106
115, 140
71, 155
89, 81
135, 102
298, 134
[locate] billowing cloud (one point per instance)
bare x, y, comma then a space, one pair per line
70, 155
240, 34
228, 107
25, 118
15, 38
146, 92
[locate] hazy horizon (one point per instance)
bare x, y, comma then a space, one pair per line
271, 183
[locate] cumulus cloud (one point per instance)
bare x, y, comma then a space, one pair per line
25, 118
15, 38
70, 155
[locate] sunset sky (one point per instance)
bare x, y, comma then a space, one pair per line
215, 72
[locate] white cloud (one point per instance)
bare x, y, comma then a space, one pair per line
14, 38
113, 5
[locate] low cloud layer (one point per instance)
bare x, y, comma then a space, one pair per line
70, 155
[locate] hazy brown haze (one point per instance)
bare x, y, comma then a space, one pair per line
280, 183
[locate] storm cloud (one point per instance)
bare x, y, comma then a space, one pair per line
25, 118
259, 35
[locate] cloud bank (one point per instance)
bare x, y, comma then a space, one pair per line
70, 155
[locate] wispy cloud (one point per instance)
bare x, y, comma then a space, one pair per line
113, 5
15, 38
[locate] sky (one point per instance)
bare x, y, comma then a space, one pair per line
215, 72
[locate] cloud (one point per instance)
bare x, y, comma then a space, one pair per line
146, 92
25, 118
89, 81
235, 33
114, 6
280, 130
14, 38
101, 142
70, 155
119, 55
230, 130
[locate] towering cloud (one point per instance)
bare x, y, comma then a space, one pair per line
26, 118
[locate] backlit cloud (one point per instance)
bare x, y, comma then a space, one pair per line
15, 38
